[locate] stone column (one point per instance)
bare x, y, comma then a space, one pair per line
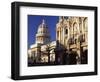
60, 35
82, 27
63, 36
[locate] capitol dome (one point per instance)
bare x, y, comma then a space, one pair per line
43, 35
43, 29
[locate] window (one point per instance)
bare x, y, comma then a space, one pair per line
66, 31
75, 27
75, 41
57, 34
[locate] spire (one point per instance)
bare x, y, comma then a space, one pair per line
43, 21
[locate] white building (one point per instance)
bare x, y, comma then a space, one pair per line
38, 51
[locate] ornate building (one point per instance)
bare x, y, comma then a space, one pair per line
42, 50
72, 34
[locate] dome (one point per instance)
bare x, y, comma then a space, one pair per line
43, 35
43, 29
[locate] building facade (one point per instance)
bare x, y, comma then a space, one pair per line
43, 49
72, 33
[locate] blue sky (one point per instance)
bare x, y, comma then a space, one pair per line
35, 20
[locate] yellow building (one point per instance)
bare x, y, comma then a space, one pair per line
72, 33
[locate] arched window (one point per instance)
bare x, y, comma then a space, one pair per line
66, 31
75, 31
75, 41
75, 27
57, 34
85, 27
